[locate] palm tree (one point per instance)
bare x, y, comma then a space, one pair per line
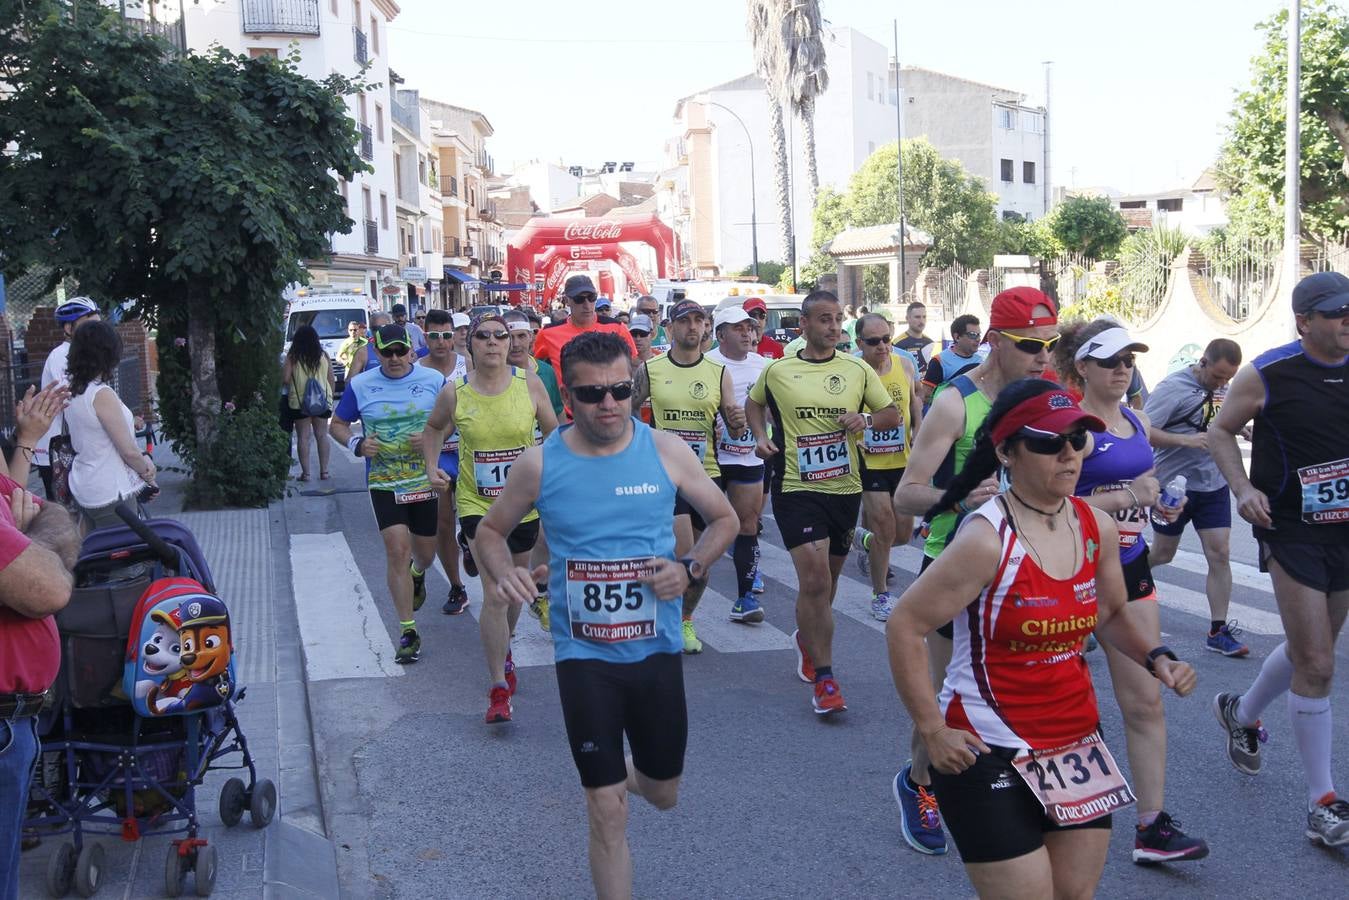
807, 76
772, 62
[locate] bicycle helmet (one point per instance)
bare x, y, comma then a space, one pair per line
75, 308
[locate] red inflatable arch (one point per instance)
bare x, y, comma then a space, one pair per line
543, 232
555, 262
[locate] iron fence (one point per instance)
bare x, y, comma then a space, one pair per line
25, 372
1237, 273
281, 16
945, 289
371, 237
362, 48
367, 143
1328, 254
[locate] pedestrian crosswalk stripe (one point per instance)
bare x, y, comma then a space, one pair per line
1243, 575
530, 646
340, 627
715, 628
1256, 621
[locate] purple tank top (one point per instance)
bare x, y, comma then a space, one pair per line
1115, 462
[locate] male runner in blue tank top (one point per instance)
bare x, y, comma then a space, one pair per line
605, 491
1297, 500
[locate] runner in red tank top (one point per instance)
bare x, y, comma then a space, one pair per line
1015, 746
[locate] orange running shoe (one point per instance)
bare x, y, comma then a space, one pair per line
805, 669
828, 698
499, 705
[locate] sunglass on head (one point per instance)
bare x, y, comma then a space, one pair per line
1052, 445
874, 341
1341, 313
1114, 362
394, 350
492, 335
440, 335
1032, 345
594, 393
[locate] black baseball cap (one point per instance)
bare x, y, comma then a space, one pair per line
1321, 292
399, 310
388, 335
686, 308
579, 284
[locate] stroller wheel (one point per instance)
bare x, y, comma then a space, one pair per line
233, 799
89, 870
262, 803
61, 870
204, 870
173, 872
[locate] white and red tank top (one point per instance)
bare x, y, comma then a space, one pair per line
1017, 678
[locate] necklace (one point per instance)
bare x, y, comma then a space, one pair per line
1051, 517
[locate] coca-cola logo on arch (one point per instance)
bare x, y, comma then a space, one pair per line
603, 230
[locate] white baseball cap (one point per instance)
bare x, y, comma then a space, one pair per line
729, 316
1108, 343
460, 320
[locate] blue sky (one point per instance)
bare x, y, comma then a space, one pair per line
1141, 91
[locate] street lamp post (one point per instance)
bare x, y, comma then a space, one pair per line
753, 198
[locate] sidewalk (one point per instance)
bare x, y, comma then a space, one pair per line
292, 857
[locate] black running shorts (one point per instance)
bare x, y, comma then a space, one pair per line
880, 480
732, 474
991, 813
1138, 582
603, 701
419, 517
1321, 567
685, 508
805, 516
521, 539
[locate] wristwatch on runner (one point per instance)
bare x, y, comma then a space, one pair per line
688, 562
1153, 654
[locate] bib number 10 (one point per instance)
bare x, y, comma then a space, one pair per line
611, 597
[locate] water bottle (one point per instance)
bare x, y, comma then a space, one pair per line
1172, 496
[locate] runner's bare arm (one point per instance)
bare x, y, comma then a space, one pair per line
1245, 399
731, 412
935, 598
641, 386
915, 411
690, 479
1122, 632
756, 417
944, 425
516, 583
543, 405
438, 424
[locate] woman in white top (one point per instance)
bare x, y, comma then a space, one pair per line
306, 363
109, 466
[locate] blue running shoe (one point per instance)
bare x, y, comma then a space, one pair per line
758, 582
918, 813
747, 610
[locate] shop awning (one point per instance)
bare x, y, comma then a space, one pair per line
461, 277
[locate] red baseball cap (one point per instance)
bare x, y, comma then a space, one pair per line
1014, 308
753, 303
1053, 412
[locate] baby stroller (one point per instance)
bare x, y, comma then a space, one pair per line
143, 708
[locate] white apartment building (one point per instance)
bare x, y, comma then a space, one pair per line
551, 186
474, 241
704, 189
1195, 210
417, 192
989, 129
333, 36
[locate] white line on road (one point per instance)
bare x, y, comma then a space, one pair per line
340, 628
716, 629
1243, 575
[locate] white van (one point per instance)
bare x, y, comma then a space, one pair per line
328, 310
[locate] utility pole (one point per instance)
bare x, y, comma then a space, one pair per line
1292, 171
899, 167
1049, 196
753, 196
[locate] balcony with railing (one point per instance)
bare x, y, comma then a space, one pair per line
407, 111
158, 18
451, 187
453, 247
367, 143
485, 163
362, 54
488, 211
281, 16
371, 237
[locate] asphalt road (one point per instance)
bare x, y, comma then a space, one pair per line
423, 799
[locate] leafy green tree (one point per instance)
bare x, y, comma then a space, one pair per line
1088, 225
770, 271
940, 198
192, 185
1036, 238
1251, 167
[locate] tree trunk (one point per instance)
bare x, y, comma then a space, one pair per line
808, 124
782, 183
205, 387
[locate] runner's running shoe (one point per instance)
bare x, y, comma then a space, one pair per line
882, 605
828, 698
1163, 841
691, 643
511, 680
470, 566
805, 669
747, 610
1243, 743
498, 705
918, 814
1328, 822
539, 607
758, 582
1224, 641
418, 587
859, 536
409, 647
458, 601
